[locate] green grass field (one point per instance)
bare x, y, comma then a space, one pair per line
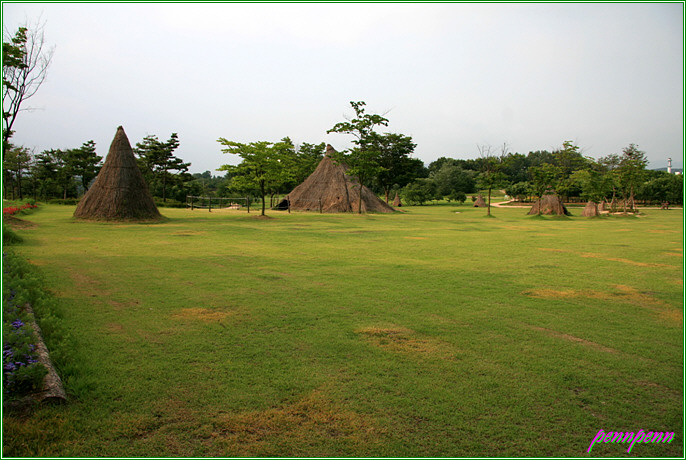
423, 333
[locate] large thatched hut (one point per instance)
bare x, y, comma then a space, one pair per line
550, 204
119, 192
330, 189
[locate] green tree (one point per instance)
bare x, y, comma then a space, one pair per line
85, 163
307, 158
568, 159
662, 187
519, 190
631, 172
364, 160
610, 167
451, 180
157, 163
397, 168
15, 163
419, 191
491, 176
544, 178
265, 165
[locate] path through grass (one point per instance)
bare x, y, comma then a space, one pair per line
426, 333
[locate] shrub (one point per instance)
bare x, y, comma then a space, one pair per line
68, 201
9, 237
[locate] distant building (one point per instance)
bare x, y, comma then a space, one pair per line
669, 168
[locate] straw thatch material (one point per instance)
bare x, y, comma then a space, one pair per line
396, 201
330, 189
119, 192
480, 202
550, 205
591, 210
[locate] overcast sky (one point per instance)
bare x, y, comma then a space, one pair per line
452, 76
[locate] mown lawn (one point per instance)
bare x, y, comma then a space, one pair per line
423, 333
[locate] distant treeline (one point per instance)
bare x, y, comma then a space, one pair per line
58, 174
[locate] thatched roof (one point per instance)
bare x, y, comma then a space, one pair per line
480, 202
590, 210
396, 201
550, 205
331, 188
119, 192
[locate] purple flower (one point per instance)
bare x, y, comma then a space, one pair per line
17, 324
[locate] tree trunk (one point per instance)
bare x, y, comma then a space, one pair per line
263, 195
488, 208
164, 186
386, 191
359, 201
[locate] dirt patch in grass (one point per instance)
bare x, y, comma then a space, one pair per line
15, 223
572, 338
626, 293
293, 428
515, 227
114, 327
593, 255
414, 237
406, 341
121, 305
623, 293
662, 231
202, 314
551, 293
673, 254
87, 285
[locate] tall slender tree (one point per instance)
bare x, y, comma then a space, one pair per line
25, 66
631, 172
363, 160
491, 176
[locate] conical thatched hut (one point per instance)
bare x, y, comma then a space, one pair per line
590, 210
396, 201
330, 189
480, 202
119, 192
551, 205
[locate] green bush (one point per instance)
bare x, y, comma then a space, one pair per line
9, 237
169, 203
68, 201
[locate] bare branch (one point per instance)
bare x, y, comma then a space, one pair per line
23, 82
